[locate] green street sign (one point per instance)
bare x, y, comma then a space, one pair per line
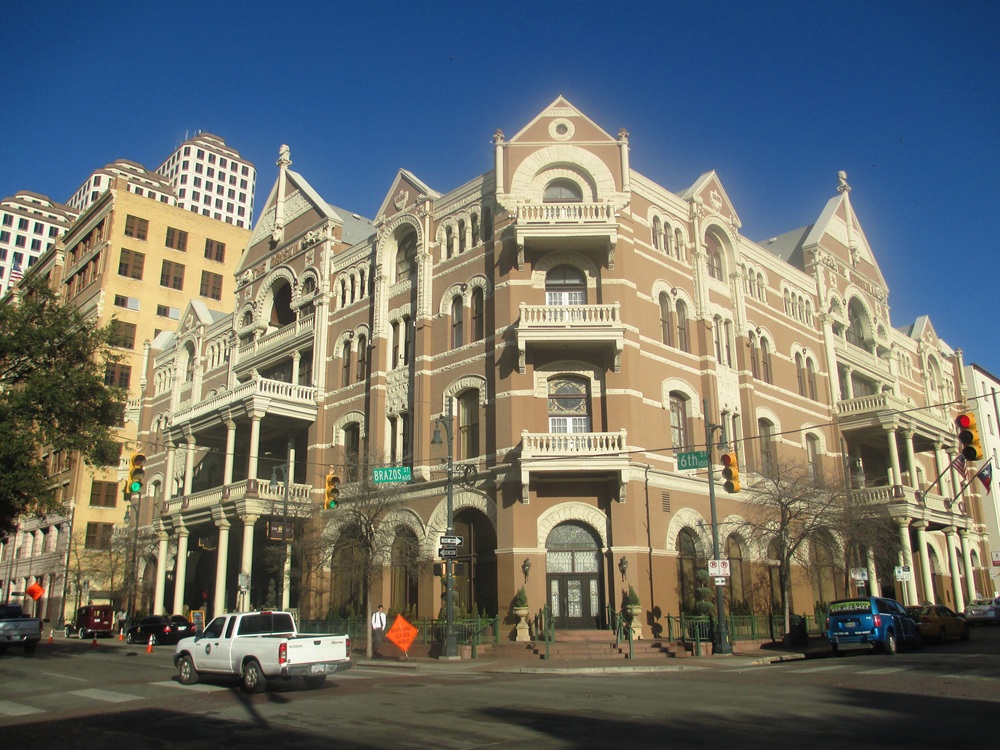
390, 474
692, 460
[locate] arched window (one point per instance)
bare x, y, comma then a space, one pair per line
189, 364
689, 562
456, 322
811, 378
362, 368
352, 451
813, 460
680, 249
461, 236
468, 424
475, 229
715, 263
565, 285
657, 228
761, 289
765, 435
765, 360
449, 241
281, 305
562, 191
739, 577
478, 314
405, 560
487, 223
345, 354
666, 329
406, 257
678, 420
569, 404
727, 342
308, 286
857, 324
754, 357
800, 373
682, 326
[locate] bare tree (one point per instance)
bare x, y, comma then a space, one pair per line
787, 506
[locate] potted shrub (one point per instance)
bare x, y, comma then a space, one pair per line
521, 612
633, 608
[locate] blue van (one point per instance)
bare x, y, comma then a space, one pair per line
870, 623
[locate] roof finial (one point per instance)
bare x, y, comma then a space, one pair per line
843, 187
284, 156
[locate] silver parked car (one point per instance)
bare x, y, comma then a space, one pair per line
983, 611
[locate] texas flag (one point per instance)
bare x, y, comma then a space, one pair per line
985, 475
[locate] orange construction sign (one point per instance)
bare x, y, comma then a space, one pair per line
402, 633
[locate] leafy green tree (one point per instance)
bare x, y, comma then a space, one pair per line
52, 393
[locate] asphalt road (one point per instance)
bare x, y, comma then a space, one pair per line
69, 695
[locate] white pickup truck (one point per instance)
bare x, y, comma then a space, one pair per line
17, 629
260, 646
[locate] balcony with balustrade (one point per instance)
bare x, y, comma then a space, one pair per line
257, 395
884, 409
548, 226
576, 328
254, 497
574, 453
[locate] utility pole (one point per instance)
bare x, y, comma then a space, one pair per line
722, 644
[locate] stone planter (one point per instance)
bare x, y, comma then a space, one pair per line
634, 612
523, 634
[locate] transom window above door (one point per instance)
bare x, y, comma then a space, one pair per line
562, 191
565, 285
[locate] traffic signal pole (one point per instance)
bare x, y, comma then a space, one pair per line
722, 644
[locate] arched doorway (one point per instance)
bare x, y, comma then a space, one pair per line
572, 568
476, 564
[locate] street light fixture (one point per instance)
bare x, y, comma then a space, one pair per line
623, 566
722, 644
450, 644
526, 568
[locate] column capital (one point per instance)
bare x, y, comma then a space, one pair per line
950, 531
920, 524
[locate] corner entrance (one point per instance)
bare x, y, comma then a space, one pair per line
572, 568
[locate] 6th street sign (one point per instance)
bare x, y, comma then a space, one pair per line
692, 460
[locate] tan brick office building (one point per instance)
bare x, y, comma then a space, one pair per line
575, 315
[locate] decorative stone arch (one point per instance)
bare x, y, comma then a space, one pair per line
455, 290
562, 160
441, 237
265, 293
452, 390
241, 315
387, 532
298, 296
936, 555
669, 385
437, 524
352, 417
551, 260
764, 412
808, 428
480, 282
363, 330
388, 243
688, 518
566, 367
854, 295
571, 511
715, 227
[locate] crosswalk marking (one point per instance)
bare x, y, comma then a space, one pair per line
105, 695
198, 688
830, 668
8, 708
883, 670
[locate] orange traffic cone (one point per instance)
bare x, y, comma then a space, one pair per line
121, 634
93, 643
51, 637
149, 648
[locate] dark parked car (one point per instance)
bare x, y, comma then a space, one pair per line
870, 623
163, 629
93, 620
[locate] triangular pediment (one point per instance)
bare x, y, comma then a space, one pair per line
837, 232
303, 208
561, 122
406, 192
708, 188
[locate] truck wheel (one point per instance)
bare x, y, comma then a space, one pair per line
186, 673
889, 646
254, 680
314, 681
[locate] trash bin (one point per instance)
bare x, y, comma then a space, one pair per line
798, 635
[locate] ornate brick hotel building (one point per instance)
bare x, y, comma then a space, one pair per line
576, 317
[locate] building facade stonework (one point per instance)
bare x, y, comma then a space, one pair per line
581, 323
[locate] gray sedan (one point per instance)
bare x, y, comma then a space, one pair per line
983, 611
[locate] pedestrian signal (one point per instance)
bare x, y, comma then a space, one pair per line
136, 473
968, 436
332, 490
731, 472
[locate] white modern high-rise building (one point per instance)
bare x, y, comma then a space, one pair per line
212, 179
29, 225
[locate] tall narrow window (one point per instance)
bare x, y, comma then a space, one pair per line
765, 360
478, 314
800, 373
727, 339
715, 263
682, 327
406, 257
811, 378
468, 424
765, 436
362, 369
656, 232
717, 338
345, 355
754, 357
407, 339
456, 322
569, 404
812, 459
395, 345
666, 328
678, 420
565, 285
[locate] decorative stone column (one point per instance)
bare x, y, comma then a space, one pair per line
951, 537
180, 574
161, 569
910, 586
246, 564
970, 578
222, 559
925, 561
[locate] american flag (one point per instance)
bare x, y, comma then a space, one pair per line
15, 272
960, 465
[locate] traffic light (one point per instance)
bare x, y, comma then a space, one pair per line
332, 490
136, 473
731, 471
968, 436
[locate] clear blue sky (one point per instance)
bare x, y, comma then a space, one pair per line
775, 96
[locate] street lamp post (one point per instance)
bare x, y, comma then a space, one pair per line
450, 644
722, 644
133, 506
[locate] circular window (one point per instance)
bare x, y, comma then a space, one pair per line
561, 129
